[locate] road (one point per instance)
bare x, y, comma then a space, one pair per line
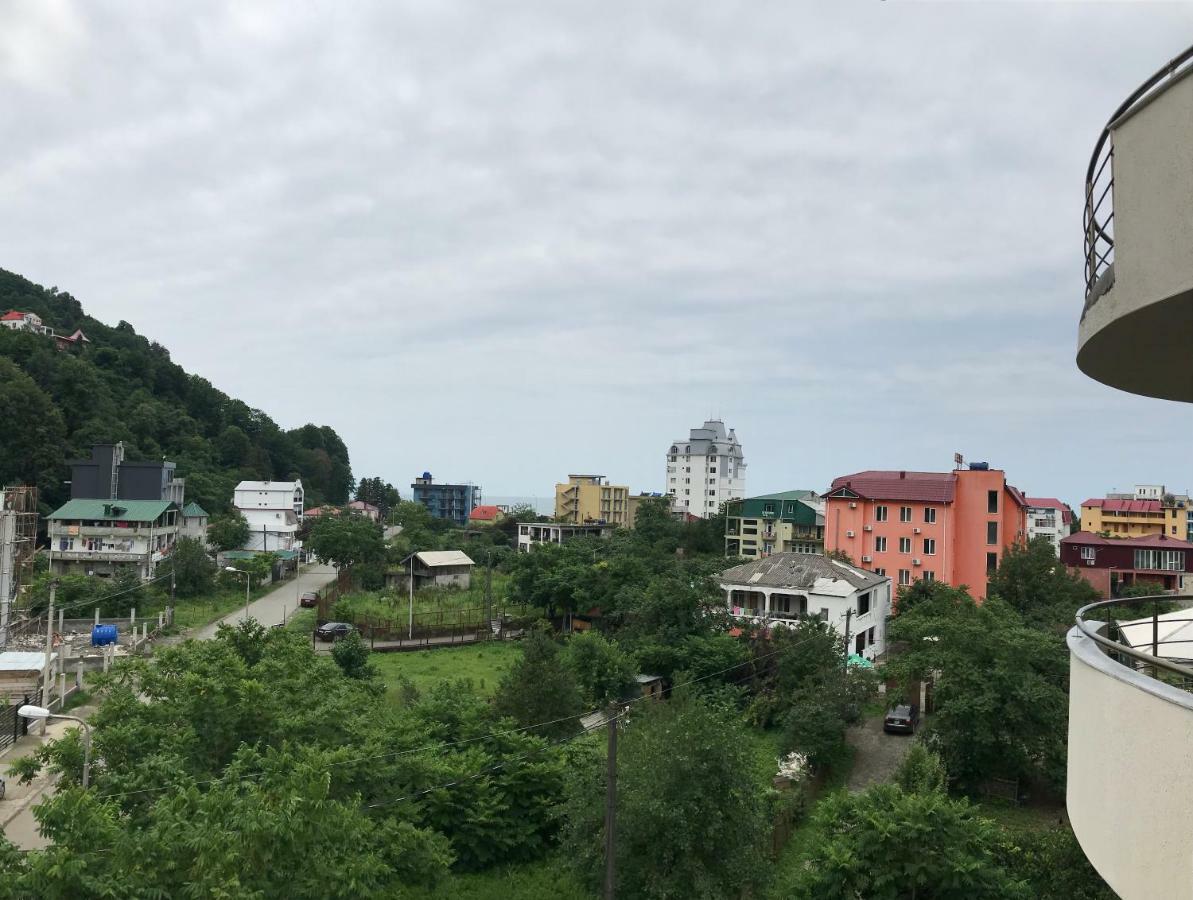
16, 809
876, 755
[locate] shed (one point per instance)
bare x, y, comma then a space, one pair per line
434, 568
650, 685
20, 673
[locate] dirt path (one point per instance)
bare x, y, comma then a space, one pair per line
876, 754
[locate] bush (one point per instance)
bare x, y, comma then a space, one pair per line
922, 772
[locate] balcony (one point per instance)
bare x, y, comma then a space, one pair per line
1130, 786
1138, 315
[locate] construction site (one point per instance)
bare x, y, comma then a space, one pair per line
18, 545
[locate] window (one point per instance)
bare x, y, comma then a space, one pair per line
880, 545
904, 545
1170, 560
904, 513
991, 563
991, 532
991, 501
870, 637
880, 514
929, 515
863, 604
1090, 553
768, 507
928, 575
929, 546
904, 576
881, 572
824, 613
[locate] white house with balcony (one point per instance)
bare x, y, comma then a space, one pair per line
784, 588
274, 511
1049, 518
102, 537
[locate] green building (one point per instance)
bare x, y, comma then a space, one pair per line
786, 522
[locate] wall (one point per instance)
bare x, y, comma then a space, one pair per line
840, 519
972, 518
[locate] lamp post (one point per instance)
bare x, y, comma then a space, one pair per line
247, 581
40, 712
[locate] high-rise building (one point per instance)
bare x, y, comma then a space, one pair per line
446, 501
705, 470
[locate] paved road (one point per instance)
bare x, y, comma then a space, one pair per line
277, 605
876, 754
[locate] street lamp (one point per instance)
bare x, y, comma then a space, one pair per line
40, 712
247, 581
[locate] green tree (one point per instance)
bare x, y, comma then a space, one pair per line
1032, 580
193, 569
346, 541
229, 531
1053, 864
603, 670
885, 844
921, 771
34, 433
351, 654
691, 818
540, 688
381, 494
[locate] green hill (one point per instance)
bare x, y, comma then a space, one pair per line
122, 387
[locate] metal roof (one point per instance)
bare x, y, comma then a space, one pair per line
799, 570
268, 485
194, 511
929, 487
23, 661
434, 558
130, 510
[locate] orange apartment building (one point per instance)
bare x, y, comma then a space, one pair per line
952, 526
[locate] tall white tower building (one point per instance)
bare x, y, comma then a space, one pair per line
705, 470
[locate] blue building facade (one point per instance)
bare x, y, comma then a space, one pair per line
446, 501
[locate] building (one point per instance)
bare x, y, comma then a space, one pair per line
101, 537
592, 499
1112, 564
948, 526
14, 320
274, 511
787, 587
446, 501
486, 515
1049, 518
194, 522
107, 475
635, 501
787, 522
433, 568
1129, 794
368, 510
532, 533
706, 470
1151, 509
18, 547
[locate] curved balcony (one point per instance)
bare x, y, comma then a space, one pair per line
1130, 783
1137, 321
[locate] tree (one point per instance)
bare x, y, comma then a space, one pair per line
381, 494
347, 541
691, 818
34, 433
921, 771
1053, 864
840, 556
193, 569
602, 669
351, 654
229, 531
885, 844
539, 688
1033, 581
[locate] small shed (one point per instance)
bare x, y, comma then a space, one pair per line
20, 674
434, 568
650, 685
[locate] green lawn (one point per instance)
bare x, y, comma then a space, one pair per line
432, 606
547, 879
483, 664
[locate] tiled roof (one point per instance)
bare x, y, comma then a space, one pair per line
484, 513
194, 511
130, 510
12, 316
1066, 514
798, 570
1147, 541
929, 487
1123, 506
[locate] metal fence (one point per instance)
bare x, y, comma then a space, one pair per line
12, 726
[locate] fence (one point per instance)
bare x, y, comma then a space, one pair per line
12, 726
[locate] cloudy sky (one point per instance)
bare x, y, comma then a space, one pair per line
505, 241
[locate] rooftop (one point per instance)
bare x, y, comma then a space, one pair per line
1122, 506
112, 510
1146, 541
436, 558
269, 485
194, 511
877, 484
799, 570
484, 513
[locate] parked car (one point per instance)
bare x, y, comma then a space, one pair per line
332, 631
309, 600
902, 718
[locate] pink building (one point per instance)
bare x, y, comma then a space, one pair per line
952, 526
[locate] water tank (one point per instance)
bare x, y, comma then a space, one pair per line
102, 635
979, 467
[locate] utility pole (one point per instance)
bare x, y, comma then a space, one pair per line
848, 619
489, 592
410, 578
45, 673
173, 590
611, 804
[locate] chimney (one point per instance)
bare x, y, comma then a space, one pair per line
903, 474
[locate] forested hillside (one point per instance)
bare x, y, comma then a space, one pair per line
122, 387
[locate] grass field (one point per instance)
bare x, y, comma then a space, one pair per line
482, 664
547, 879
432, 606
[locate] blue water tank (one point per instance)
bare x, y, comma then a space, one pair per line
101, 635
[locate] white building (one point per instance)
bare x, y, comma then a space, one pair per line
1050, 518
705, 470
532, 533
273, 510
786, 587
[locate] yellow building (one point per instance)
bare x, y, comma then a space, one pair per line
590, 498
1128, 518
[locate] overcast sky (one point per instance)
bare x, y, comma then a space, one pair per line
505, 241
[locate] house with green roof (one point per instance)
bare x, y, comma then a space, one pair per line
194, 522
786, 522
103, 537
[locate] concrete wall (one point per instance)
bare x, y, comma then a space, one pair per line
1130, 788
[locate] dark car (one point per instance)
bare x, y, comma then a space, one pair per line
309, 600
901, 718
332, 631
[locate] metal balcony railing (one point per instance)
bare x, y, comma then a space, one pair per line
1099, 187
1131, 648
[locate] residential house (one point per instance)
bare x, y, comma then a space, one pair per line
1149, 510
368, 510
1111, 564
786, 522
433, 568
14, 320
194, 522
705, 470
1048, 518
446, 501
486, 515
784, 588
274, 511
533, 533
635, 501
107, 475
592, 499
101, 537
952, 526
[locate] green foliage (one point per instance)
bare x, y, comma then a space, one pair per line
603, 670
381, 494
193, 569
347, 541
351, 654
541, 688
1033, 582
1053, 864
691, 810
122, 387
885, 844
921, 772
229, 531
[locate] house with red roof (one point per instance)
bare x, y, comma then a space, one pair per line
926, 526
15, 320
485, 515
1112, 564
1151, 509
1049, 518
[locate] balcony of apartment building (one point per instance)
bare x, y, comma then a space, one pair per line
1137, 320
767, 605
1130, 788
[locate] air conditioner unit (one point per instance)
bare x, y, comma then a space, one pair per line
867, 559
849, 534
1089, 562
917, 562
852, 504
867, 528
915, 531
